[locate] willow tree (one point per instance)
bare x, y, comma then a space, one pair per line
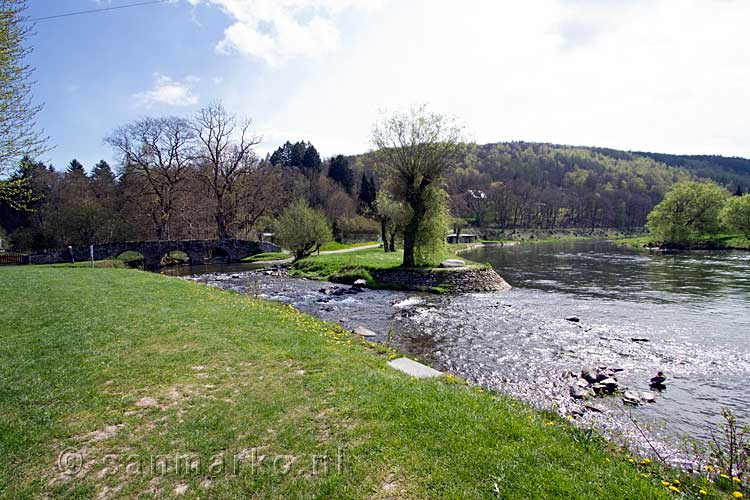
417, 148
19, 136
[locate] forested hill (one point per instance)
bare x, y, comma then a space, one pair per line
522, 184
732, 172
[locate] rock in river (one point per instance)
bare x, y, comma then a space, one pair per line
631, 398
573, 319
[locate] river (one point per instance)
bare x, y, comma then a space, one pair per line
690, 312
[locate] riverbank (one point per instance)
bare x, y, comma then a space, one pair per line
383, 270
714, 242
131, 365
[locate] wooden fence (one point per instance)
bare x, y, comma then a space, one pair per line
10, 258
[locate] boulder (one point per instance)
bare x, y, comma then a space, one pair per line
360, 283
573, 319
365, 332
631, 398
648, 397
453, 263
577, 392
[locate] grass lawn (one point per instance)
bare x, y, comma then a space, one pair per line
126, 367
335, 245
346, 267
103, 264
261, 257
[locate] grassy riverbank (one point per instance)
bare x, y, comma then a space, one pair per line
122, 366
347, 267
710, 242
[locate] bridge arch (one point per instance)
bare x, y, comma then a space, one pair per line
218, 253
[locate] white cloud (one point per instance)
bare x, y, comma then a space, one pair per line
663, 75
169, 92
278, 30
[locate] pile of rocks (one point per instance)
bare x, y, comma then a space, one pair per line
595, 382
336, 291
602, 382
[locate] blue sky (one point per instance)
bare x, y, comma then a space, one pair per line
659, 75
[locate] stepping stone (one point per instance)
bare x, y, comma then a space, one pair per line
365, 332
411, 367
453, 263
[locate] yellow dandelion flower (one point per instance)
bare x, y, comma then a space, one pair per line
703, 492
665, 483
709, 468
724, 476
646, 461
737, 494
631, 460
674, 488
736, 479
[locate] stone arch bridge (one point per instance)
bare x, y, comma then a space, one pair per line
198, 251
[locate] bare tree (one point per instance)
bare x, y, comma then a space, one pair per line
162, 150
416, 148
226, 156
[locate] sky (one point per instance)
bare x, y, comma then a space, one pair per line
668, 76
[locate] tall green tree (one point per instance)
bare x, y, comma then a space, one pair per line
417, 148
688, 214
368, 193
19, 135
340, 171
736, 214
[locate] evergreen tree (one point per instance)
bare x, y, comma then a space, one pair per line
340, 171
298, 154
102, 172
367, 193
311, 163
75, 167
283, 155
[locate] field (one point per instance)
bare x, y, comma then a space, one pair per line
137, 383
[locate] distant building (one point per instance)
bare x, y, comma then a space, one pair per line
462, 238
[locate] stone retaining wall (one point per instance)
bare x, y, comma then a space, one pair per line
470, 279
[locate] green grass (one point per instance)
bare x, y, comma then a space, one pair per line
721, 241
261, 257
105, 264
79, 348
350, 266
335, 245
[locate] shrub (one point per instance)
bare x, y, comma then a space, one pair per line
302, 229
688, 214
736, 214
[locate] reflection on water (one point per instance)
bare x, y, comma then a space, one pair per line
602, 270
694, 309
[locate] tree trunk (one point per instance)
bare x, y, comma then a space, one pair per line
221, 226
411, 229
384, 234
